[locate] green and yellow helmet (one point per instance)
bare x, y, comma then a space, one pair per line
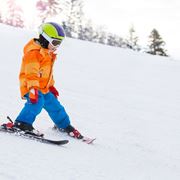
53, 30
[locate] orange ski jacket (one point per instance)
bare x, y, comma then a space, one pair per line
36, 68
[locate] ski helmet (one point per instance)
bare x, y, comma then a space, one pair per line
52, 33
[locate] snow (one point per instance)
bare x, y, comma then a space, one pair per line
128, 100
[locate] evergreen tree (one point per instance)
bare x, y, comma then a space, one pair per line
101, 36
156, 46
75, 17
66, 29
86, 31
111, 39
14, 17
115, 40
90, 32
48, 8
1, 20
132, 41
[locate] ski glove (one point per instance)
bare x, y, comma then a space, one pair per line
53, 90
33, 95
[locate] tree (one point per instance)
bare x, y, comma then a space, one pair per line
90, 32
101, 35
1, 20
86, 31
132, 41
75, 17
156, 46
14, 17
115, 40
66, 29
48, 8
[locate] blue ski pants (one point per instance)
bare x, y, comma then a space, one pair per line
51, 104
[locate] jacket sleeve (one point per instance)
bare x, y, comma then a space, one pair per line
32, 65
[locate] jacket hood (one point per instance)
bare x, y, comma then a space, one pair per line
32, 45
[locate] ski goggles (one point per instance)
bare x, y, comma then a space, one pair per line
54, 42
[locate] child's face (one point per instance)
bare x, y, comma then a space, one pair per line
52, 48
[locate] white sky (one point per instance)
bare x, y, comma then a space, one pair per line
119, 15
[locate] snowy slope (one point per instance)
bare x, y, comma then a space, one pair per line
129, 101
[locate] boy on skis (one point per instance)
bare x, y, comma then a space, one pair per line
37, 83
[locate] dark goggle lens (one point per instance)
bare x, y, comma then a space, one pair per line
56, 42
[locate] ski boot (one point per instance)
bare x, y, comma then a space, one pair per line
26, 128
71, 131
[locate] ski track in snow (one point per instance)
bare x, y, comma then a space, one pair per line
129, 101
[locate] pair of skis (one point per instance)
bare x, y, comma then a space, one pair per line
40, 138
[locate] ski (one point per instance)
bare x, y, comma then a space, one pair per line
84, 139
34, 137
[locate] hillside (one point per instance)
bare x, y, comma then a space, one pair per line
128, 100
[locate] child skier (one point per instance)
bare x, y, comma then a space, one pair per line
37, 83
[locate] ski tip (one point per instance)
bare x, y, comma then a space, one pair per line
9, 119
66, 141
88, 140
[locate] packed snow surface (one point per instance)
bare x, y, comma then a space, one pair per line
129, 101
